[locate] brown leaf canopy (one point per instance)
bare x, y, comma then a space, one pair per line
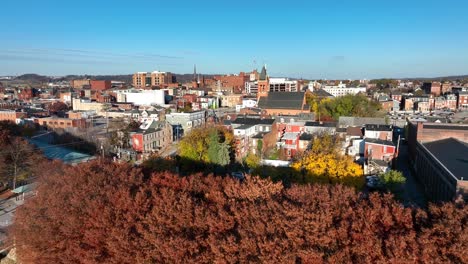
107, 213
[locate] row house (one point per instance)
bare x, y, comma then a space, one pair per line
383, 132
397, 96
242, 135
445, 102
259, 129
231, 100
313, 127
208, 102
377, 149
462, 100
152, 136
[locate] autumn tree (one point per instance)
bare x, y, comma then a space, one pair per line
207, 145
17, 157
57, 107
101, 212
324, 164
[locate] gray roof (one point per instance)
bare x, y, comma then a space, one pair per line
452, 153
320, 124
372, 127
322, 93
244, 126
345, 121
379, 141
263, 74
282, 100
253, 121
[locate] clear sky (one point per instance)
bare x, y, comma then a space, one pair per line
311, 39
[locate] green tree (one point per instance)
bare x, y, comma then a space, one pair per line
392, 180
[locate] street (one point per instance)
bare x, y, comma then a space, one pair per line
413, 194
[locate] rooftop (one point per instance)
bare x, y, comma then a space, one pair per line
379, 141
320, 124
372, 127
282, 100
452, 153
253, 121
354, 131
345, 121
245, 126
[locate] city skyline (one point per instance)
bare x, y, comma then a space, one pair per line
339, 40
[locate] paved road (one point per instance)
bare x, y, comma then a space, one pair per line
413, 190
7, 210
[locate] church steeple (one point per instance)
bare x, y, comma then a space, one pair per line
194, 72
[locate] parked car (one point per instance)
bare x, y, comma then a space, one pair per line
374, 183
238, 175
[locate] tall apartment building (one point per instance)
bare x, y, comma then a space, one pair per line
156, 78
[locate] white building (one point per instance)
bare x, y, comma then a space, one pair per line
187, 120
283, 85
142, 97
251, 87
245, 131
342, 90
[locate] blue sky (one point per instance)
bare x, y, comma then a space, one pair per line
310, 39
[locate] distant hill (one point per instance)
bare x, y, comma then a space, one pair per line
35, 78
31, 77
448, 78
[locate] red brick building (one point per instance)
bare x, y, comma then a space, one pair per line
377, 149
156, 136
462, 100
434, 88
56, 122
100, 85
396, 96
237, 82
427, 132
26, 94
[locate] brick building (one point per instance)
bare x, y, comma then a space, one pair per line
396, 95
441, 167
427, 132
100, 85
80, 84
11, 115
156, 78
377, 149
434, 88
284, 103
237, 82
152, 137
462, 100
446, 88
383, 132
26, 94
61, 123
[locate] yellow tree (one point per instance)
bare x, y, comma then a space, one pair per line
324, 164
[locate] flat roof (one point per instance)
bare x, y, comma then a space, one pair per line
452, 153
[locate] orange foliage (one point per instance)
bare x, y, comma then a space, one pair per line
108, 213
